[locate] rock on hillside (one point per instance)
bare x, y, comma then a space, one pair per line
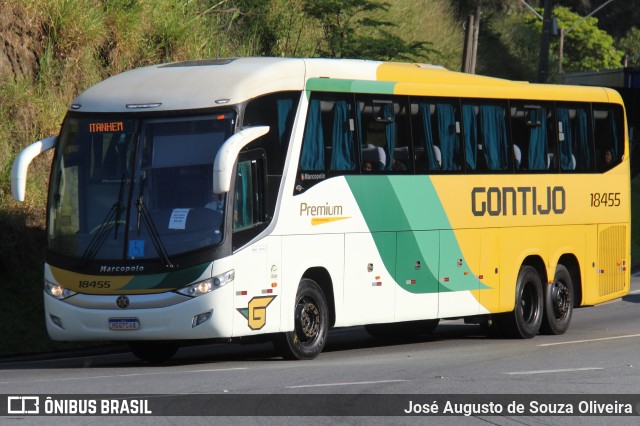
20, 42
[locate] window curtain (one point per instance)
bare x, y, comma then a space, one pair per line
583, 151
494, 134
538, 147
342, 151
470, 136
390, 133
424, 110
566, 149
284, 116
284, 109
449, 145
312, 157
614, 135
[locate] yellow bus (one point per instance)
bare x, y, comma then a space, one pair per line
273, 198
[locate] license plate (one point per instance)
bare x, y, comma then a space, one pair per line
124, 323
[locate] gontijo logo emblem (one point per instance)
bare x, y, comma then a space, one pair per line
256, 312
321, 214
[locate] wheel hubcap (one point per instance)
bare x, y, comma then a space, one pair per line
560, 299
308, 321
527, 303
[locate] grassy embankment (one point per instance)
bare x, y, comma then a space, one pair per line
77, 43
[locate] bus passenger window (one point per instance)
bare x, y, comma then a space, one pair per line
436, 130
401, 160
608, 136
485, 137
329, 136
531, 137
574, 141
384, 135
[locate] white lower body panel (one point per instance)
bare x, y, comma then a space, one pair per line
165, 323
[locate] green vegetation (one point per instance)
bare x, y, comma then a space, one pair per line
64, 46
349, 30
630, 45
586, 47
58, 48
517, 35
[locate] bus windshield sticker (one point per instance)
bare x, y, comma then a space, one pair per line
178, 219
136, 249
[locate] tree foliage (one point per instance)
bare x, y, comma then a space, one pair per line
630, 45
350, 31
327, 28
508, 48
616, 18
586, 47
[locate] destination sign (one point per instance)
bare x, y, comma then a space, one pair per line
108, 127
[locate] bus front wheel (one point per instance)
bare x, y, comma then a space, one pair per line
558, 303
525, 320
311, 324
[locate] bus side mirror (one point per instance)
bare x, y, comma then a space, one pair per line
226, 158
21, 164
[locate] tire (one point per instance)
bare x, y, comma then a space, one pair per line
402, 329
558, 303
525, 320
154, 352
311, 324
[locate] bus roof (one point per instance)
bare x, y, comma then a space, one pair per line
208, 83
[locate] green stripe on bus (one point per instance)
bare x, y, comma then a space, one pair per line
409, 206
350, 86
171, 280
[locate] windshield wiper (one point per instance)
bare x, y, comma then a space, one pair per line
99, 237
119, 203
151, 227
110, 221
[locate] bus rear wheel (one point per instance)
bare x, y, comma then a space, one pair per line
558, 303
311, 324
154, 352
525, 320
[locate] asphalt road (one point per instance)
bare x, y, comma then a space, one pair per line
598, 355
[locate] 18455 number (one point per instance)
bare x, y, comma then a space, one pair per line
94, 284
605, 199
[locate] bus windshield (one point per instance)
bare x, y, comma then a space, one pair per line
129, 188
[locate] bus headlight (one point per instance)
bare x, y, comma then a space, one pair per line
197, 289
224, 279
57, 291
206, 286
